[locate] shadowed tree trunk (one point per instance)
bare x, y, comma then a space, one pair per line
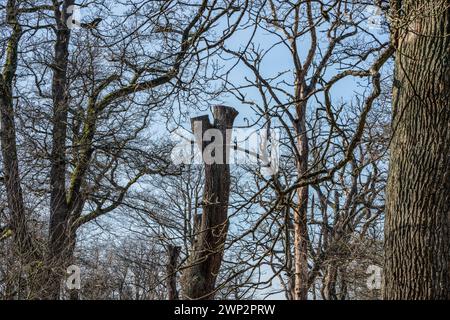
417, 223
172, 264
14, 193
205, 259
24, 248
59, 233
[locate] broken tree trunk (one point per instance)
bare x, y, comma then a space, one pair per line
204, 262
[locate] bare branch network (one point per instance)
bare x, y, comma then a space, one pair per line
224, 149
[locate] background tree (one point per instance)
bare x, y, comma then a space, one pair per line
301, 99
80, 119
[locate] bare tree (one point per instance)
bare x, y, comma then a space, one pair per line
84, 95
289, 96
291, 204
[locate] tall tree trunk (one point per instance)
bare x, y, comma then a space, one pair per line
301, 239
24, 248
300, 213
59, 233
417, 222
8, 135
199, 277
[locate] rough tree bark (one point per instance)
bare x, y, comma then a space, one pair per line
204, 262
417, 222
